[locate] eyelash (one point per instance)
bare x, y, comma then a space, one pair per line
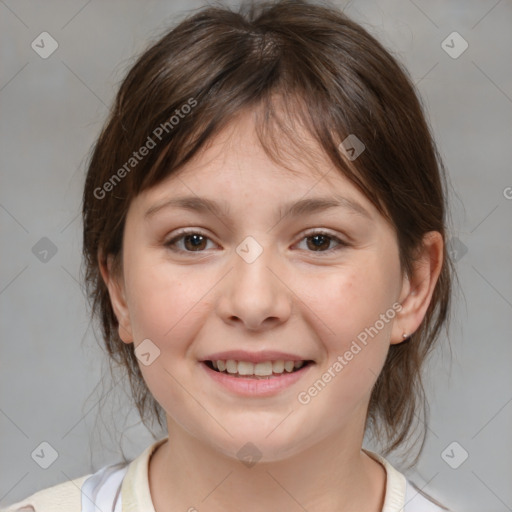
181, 234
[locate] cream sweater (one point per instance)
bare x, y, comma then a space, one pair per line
125, 488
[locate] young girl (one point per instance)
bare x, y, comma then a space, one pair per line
264, 230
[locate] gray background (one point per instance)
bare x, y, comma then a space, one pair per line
51, 385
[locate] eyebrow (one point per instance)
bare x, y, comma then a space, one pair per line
298, 208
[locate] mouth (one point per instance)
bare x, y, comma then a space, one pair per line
264, 370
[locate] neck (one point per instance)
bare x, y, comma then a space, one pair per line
186, 474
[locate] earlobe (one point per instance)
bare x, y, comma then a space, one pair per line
115, 285
417, 289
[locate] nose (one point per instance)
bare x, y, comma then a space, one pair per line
255, 293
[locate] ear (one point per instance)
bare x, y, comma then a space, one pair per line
116, 290
418, 288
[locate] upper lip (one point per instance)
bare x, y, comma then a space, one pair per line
254, 357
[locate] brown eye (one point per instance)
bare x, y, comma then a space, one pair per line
193, 241
319, 241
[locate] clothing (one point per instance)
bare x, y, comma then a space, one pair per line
125, 488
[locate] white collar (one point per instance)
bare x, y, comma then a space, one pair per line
125, 488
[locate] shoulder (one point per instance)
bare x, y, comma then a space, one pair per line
102, 490
402, 495
417, 500
87, 493
63, 496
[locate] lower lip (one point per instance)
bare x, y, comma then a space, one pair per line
247, 386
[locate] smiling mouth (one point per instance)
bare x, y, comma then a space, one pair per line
266, 370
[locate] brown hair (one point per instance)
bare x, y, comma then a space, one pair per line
334, 78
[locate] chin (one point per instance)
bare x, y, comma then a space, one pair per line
255, 446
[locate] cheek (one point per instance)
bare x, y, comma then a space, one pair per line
355, 309
164, 301
356, 341
354, 296
165, 307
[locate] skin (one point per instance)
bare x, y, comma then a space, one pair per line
291, 298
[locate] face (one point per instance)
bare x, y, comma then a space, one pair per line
320, 285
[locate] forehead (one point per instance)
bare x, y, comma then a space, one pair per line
234, 160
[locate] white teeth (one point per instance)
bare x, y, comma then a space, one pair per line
278, 366
245, 368
231, 366
265, 368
